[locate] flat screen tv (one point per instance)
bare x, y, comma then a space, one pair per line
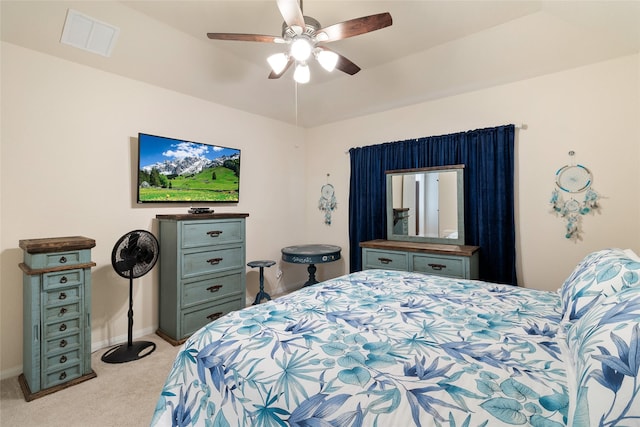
176, 171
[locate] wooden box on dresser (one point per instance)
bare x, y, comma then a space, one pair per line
444, 260
56, 314
202, 271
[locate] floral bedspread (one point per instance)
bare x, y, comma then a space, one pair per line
376, 348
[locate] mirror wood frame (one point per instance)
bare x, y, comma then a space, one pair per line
459, 170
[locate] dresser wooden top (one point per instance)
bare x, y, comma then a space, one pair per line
398, 245
187, 216
56, 244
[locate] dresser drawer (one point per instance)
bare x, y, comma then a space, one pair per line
62, 360
61, 344
64, 327
442, 266
61, 297
62, 312
206, 233
211, 289
62, 376
194, 320
385, 259
62, 279
212, 261
57, 259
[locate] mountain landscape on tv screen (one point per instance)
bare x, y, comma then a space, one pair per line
191, 179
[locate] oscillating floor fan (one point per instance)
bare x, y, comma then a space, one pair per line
134, 254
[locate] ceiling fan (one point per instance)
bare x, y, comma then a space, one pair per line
306, 38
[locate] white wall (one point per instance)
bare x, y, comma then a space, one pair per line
593, 110
68, 167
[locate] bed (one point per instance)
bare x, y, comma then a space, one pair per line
391, 348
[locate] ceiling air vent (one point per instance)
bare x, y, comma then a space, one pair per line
89, 34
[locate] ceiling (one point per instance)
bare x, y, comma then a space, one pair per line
433, 49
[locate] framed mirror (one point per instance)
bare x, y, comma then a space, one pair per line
426, 205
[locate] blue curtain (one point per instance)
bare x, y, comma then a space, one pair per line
487, 155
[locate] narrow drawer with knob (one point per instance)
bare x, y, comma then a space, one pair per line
207, 233
68, 357
390, 260
212, 288
440, 265
195, 263
194, 320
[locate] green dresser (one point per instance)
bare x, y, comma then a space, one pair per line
202, 271
443, 260
56, 314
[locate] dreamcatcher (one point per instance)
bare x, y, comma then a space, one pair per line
327, 202
573, 179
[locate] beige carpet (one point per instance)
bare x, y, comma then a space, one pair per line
122, 394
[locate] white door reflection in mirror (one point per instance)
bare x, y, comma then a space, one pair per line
425, 204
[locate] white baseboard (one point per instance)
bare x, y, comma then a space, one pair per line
8, 373
95, 346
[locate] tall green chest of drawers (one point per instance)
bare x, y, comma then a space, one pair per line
56, 314
202, 271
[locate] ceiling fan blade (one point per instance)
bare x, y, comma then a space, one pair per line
354, 27
274, 75
245, 37
292, 13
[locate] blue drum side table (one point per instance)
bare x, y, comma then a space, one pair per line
312, 255
261, 264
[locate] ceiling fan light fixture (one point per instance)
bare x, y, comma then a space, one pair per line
301, 48
278, 62
302, 74
327, 59
321, 36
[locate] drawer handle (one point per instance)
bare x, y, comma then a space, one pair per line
385, 260
63, 376
214, 233
63, 359
63, 295
437, 266
63, 260
214, 288
214, 261
63, 327
214, 316
63, 311
63, 279
63, 343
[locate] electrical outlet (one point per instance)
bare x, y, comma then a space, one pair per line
278, 274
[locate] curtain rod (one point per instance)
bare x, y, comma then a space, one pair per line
515, 125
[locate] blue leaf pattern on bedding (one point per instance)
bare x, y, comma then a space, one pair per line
605, 347
377, 348
599, 275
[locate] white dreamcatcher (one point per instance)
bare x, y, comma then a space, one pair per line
574, 179
327, 202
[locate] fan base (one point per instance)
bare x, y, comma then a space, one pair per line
128, 353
